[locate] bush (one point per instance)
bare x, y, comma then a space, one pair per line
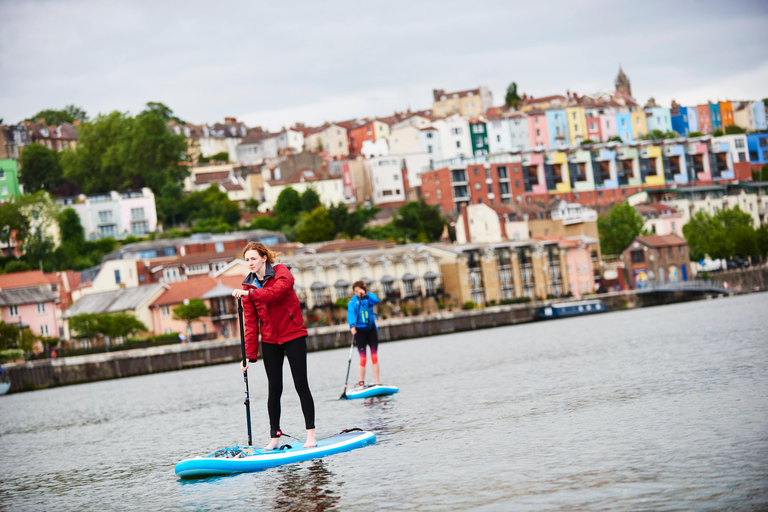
468, 305
10, 355
342, 302
152, 341
519, 300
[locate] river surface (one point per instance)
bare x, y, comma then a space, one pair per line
662, 408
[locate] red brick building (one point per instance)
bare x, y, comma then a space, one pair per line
656, 260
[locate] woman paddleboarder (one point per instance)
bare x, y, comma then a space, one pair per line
361, 321
270, 304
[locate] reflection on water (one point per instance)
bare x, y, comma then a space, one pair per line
306, 488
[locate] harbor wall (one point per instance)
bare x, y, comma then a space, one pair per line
116, 364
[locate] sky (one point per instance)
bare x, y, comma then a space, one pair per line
274, 63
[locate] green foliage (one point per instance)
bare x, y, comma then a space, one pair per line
288, 206
619, 228
112, 325
17, 266
761, 175
265, 222
214, 205
315, 226
85, 325
9, 335
718, 133
519, 300
119, 152
468, 305
310, 200
695, 134
252, 205
191, 312
170, 204
342, 302
68, 114
221, 156
511, 99
734, 130
351, 224
40, 169
660, 135
761, 235
615, 139
12, 219
11, 354
587, 141
726, 235
418, 221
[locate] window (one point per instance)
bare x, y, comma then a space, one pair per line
502, 171
2, 174
44, 330
498, 138
458, 143
4, 191
477, 186
105, 216
477, 171
538, 132
490, 188
638, 256
117, 277
739, 143
439, 194
456, 131
41, 307
14, 311
137, 213
219, 246
139, 228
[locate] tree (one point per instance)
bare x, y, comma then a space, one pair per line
288, 206
315, 226
71, 251
119, 152
718, 133
69, 114
761, 175
221, 156
252, 205
40, 169
417, 221
212, 205
170, 203
511, 99
12, 221
727, 234
310, 200
9, 335
761, 235
619, 228
191, 311
119, 325
86, 325
660, 135
734, 130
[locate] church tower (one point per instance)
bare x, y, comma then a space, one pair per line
622, 83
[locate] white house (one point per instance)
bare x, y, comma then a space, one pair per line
329, 188
387, 179
115, 214
455, 139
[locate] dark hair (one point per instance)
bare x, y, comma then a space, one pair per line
262, 250
359, 284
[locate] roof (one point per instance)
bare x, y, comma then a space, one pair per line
220, 290
352, 245
26, 279
304, 175
661, 240
19, 296
202, 178
194, 289
125, 299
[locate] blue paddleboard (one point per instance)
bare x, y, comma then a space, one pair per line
372, 390
229, 461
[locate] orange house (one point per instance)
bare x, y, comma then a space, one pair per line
360, 134
726, 113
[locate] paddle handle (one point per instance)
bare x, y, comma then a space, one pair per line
245, 373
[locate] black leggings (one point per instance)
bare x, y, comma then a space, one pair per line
273, 355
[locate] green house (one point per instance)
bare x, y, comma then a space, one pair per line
479, 137
9, 180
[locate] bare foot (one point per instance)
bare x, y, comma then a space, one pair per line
311, 441
273, 444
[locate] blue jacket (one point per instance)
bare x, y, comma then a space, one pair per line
366, 318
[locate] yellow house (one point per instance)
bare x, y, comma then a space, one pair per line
577, 124
639, 125
466, 103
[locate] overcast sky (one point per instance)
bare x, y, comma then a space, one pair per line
272, 63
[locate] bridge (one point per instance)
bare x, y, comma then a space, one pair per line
703, 286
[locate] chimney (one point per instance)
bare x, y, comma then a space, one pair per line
465, 219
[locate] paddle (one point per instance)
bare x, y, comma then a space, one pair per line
245, 373
351, 351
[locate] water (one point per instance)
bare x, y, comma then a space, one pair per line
662, 408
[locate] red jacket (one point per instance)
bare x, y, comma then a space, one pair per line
273, 309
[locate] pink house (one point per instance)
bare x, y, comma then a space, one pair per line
31, 300
217, 295
537, 129
581, 275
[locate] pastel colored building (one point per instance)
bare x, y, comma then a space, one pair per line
624, 126
726, 114
537, 130
759, 114
116, 214
387, 179
577, 125
9, 180
705, 119
455, 139
499, 134
471, 102
557, 126
594, 130
30, 300
715, 116
737, 143
579, 265
661, 219
639, 120
479, 136
686, 121
758, 148
658, 118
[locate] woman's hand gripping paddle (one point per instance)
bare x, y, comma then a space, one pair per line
351, 351
245, 371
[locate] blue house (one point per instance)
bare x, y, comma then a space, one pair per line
758, 148
557, 125
758, 111
714, 115
624, 126
658, 118
686, 121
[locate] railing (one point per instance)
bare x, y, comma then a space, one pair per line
703, 285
